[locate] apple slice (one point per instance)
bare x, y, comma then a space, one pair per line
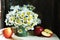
48, 30
47, 33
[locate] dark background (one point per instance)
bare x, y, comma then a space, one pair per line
48, 10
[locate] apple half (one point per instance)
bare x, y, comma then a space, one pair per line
47, 33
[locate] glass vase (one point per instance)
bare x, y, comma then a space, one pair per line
21, 32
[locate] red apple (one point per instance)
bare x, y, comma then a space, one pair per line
7, 32
47, 33
38, 30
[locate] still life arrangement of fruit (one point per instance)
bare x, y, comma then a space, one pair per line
41, 31
23, 18
38, 31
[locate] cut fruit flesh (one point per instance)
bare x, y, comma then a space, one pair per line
49, 31
46, 34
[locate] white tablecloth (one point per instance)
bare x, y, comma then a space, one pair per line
54, 37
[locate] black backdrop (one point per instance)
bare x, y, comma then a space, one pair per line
46, 9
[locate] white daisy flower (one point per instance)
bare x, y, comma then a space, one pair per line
22, 16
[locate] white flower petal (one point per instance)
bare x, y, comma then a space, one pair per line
23, 16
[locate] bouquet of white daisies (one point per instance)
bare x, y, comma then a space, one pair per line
22, 16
